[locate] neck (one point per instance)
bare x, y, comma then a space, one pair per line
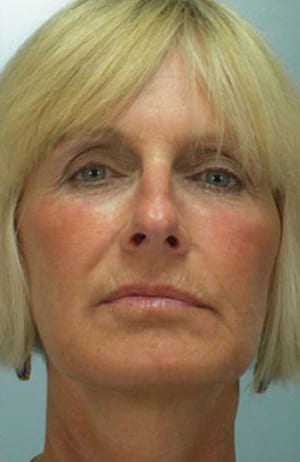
183, 425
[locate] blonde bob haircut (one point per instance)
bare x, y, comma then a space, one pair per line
84, 66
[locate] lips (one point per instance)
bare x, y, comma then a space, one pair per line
167, 292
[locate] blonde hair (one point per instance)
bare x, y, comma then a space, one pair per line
82, 67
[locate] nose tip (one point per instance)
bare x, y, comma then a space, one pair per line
155, 223
155, 242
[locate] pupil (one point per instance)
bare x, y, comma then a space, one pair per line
218, 178
93, 173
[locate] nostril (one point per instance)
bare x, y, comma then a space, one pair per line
138, 238
173, 241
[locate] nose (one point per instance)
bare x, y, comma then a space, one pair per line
155, 226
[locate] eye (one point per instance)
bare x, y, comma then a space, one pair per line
92, 173
218, 178
221, 180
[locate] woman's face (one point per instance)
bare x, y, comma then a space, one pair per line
80, 223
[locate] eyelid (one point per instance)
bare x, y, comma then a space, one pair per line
76, 159
222, 160
110, 156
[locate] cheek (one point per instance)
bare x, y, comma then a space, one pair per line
238, 253
68, 236
253, 244
63, 242
240, 249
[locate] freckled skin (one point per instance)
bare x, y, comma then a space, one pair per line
77, 245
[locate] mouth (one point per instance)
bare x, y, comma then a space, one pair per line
146, 296
151, 301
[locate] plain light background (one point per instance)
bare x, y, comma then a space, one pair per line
268, 425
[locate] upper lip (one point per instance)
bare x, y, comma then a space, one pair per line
148, 290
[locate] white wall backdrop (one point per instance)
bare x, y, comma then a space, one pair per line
268, 426
20, 18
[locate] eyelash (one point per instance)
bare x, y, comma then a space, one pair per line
237, 187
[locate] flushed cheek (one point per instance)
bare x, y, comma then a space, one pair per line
70, 235
241, 249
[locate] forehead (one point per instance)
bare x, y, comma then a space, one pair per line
169, 92
166, 110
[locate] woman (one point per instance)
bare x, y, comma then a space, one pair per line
149, 209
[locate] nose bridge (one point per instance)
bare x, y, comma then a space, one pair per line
155, 197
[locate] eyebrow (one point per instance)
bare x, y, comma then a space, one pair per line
193, 146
